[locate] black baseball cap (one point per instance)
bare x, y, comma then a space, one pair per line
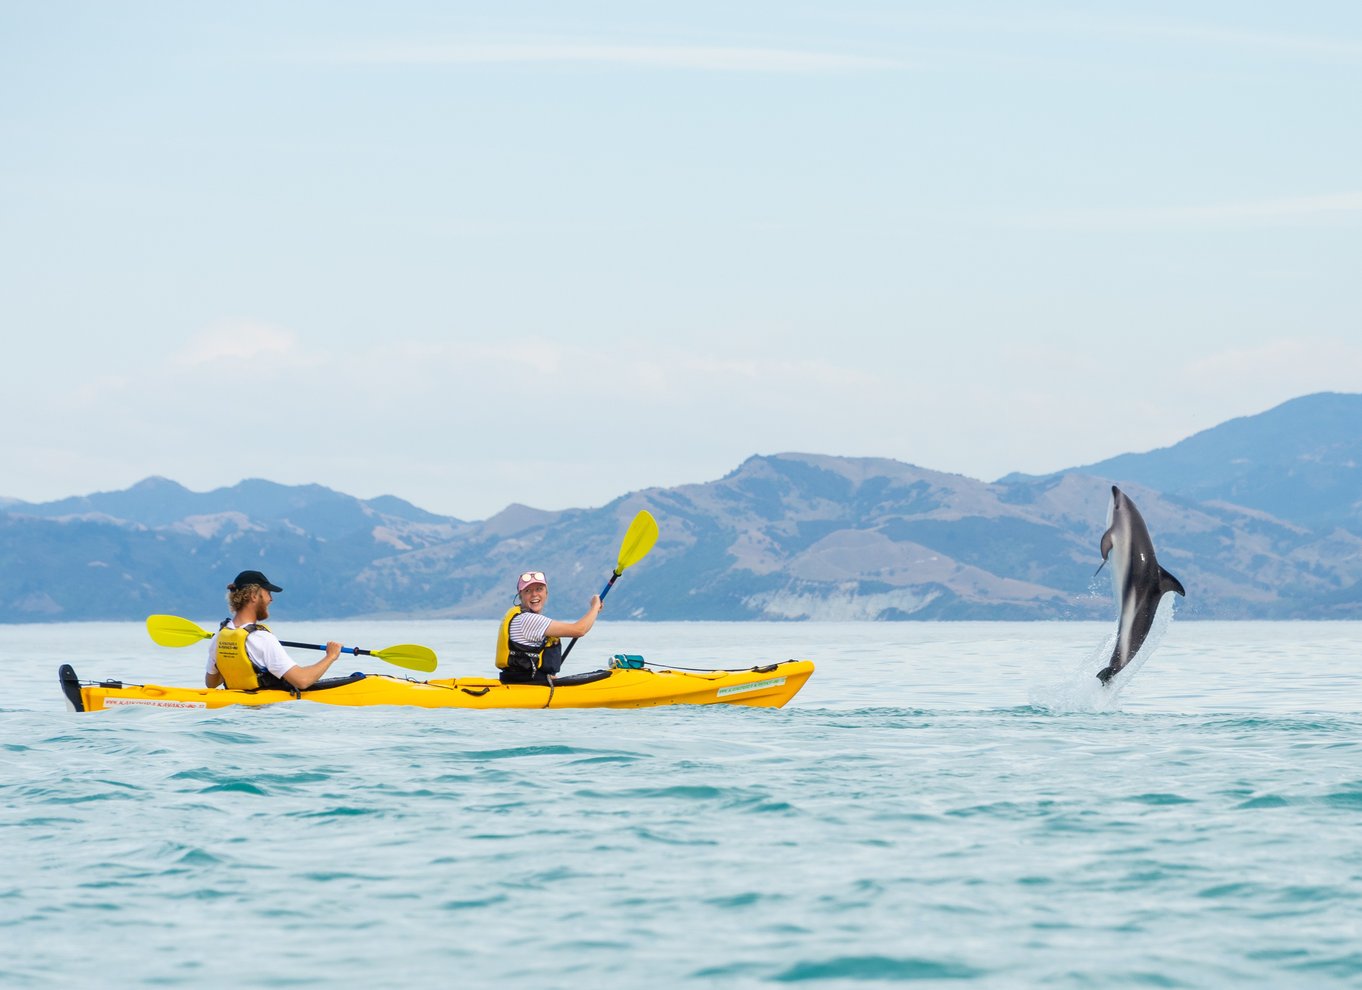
255, 577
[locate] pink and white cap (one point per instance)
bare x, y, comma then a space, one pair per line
531, 577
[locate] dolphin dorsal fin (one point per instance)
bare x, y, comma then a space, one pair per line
1169, 583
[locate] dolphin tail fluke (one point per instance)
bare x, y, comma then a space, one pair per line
1105, 675
1169, 583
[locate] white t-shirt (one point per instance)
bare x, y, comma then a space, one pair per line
530, 628
262, 646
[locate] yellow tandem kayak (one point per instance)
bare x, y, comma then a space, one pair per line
756, 687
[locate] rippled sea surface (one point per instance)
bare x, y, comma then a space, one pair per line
944, 804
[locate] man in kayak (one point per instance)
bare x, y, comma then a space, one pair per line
245, 655
529, 647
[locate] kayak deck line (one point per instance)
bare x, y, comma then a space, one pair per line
769, 685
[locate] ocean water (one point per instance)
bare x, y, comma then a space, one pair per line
945, 804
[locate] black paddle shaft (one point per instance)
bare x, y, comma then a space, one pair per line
604, 591
318, 646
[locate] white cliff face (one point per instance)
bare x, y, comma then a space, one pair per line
218, 524
844, 603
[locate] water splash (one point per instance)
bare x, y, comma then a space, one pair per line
1072, 686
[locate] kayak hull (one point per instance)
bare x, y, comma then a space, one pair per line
757, 687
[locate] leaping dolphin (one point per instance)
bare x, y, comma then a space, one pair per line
1139, 582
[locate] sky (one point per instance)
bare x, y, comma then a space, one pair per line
475, 254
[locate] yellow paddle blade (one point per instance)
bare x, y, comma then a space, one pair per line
410, 656
171, 630
638, 541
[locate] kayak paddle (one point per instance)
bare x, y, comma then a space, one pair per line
171, 630
639, 539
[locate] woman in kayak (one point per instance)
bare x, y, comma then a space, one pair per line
529, 647
245, 655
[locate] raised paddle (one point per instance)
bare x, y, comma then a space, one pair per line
171, 630
638, 541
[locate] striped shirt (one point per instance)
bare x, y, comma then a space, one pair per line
530, 628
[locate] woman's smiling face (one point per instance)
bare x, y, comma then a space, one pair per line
534, 596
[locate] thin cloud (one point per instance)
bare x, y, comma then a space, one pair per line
235, 342
88, 392
1289, 365
701, 58
1262, 41
1255, 213
784, 373
1174, 31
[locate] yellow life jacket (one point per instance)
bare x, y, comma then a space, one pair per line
233, 662
530, 660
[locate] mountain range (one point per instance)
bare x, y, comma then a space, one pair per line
1260, 517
